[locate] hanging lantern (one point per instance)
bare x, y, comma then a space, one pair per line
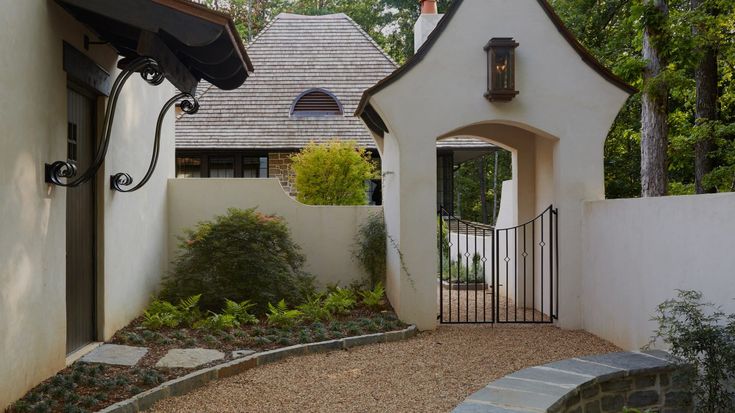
501, 69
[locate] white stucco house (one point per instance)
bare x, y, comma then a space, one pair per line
91, 207
78, 263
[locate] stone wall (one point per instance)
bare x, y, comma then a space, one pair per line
661, 392
279, 166
604, 383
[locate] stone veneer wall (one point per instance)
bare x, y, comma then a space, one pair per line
661, 392
605, 383
279, 166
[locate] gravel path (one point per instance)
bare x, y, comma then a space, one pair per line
477, 306
432, 372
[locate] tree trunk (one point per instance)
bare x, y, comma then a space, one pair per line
654, 113
706, 110
483, 188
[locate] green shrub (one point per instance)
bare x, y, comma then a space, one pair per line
370, 248
314, 310
242, 255
340, 301
373, 299
333, 173
702, 339
280, 316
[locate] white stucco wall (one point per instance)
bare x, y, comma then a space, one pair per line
33, 122
637, 252
557, 126
326, 234
135, 224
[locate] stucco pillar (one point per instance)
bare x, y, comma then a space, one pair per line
409, 176
578, 176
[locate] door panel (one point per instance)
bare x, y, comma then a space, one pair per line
80, 226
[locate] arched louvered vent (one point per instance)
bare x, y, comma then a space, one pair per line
316, 102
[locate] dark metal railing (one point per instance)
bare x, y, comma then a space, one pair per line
507, 275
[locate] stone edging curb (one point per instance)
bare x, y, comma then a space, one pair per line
199, 378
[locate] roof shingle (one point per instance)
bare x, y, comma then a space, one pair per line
292, 54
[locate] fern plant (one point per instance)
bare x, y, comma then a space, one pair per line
162, 313
189, 309
315, 310
241, 311
340, 301
218, 322
373, 299
280, 316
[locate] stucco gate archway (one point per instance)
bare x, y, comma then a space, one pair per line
556, 125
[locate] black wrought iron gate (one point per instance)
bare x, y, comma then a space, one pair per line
507, 275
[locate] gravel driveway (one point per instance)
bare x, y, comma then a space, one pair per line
432, 372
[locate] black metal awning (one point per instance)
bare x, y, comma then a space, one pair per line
189, 41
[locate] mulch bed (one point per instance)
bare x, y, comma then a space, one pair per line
85, 387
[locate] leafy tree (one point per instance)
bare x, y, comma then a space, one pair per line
613, 31
467, 185
333, 173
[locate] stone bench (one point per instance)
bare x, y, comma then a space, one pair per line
593, 384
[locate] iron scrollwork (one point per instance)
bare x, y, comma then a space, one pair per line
64, 173
120, 180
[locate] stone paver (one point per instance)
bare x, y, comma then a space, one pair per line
115, 354
189, 357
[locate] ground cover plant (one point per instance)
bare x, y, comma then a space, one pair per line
338, 313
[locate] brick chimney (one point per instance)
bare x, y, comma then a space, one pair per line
428, 7
426, 23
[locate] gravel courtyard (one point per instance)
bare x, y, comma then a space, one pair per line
432, 372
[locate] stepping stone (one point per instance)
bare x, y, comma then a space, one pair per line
242, 353
115, 354
189, 357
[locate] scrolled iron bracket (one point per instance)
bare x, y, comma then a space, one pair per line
120, 180
64, 173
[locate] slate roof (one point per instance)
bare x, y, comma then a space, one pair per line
292, 54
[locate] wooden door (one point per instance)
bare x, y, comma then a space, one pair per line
80, 225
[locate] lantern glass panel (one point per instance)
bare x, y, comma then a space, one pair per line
503, 69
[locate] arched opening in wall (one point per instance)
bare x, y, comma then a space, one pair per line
496, 268
470, 176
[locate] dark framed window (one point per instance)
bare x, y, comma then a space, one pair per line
221, 167
221, 164
254, 167
188, 167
